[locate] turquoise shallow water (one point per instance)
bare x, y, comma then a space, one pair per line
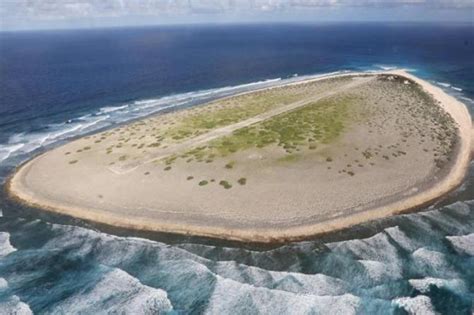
59, 85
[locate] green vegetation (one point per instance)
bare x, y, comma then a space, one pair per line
242, 181
238, 108
248, 106
189, 177
321, 122
230, 165
203, 183
73, 162
289, 158
225, 184
167, 168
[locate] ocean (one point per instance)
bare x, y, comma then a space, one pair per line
57, 85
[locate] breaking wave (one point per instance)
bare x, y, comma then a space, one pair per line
5, 246
410, 266
463, 244
116, 292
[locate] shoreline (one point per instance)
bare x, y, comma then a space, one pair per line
434, 191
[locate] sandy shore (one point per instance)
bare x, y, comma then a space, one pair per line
280, 199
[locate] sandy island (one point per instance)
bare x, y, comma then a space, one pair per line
273, 165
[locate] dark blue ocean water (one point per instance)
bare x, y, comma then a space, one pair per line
60, 84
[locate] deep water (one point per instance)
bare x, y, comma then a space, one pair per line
57, 85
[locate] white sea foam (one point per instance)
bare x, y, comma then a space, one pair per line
23, 143
423, 285
5, 246
381, 272
456, 88
7, 150
317, 284
181, 264
460, 207
402, 240
14, 306
386, 67
110, 109
444, 84
463, 244
420, 304
119, 293
234, 297
11, 304
3, 284
433, 262
467, 99
375, 248
110, 249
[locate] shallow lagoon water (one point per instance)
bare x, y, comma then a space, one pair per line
58, 85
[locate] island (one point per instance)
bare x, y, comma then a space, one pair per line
274, 165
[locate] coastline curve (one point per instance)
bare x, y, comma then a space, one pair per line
18, 190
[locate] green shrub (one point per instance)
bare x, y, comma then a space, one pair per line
225, 184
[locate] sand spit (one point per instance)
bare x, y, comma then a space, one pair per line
377, 145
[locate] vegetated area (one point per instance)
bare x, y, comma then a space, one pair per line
371, 125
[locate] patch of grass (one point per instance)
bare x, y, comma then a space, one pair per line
122, 158
73, 162
248, 106
203, 183
167, 168
321, 122
189, 177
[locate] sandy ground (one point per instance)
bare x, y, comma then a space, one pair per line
385, 162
